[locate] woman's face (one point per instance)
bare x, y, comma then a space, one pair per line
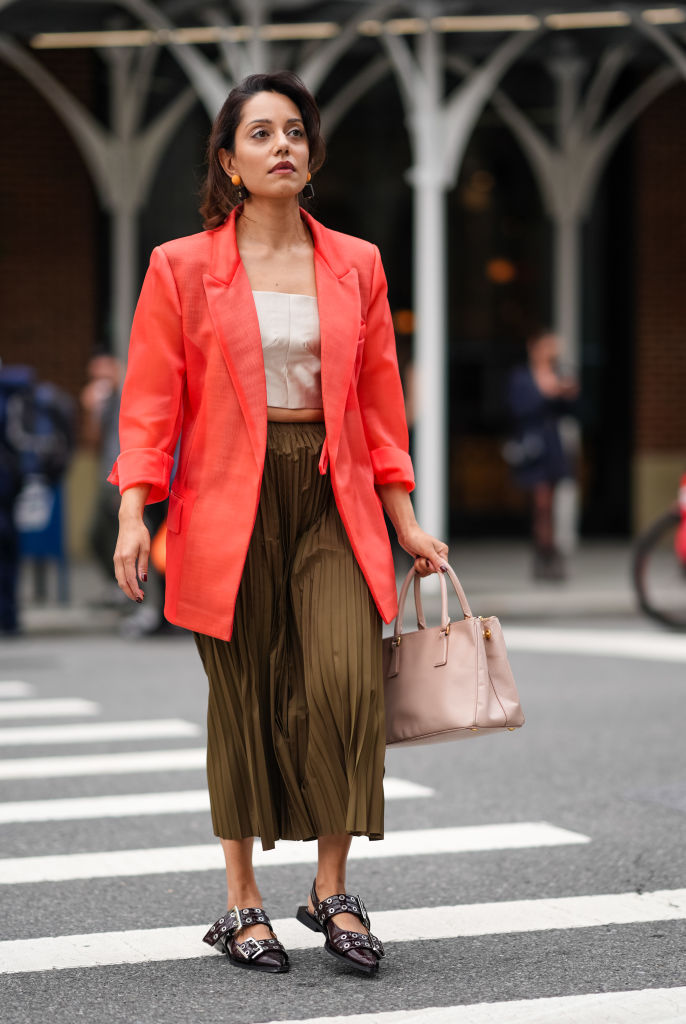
545, 349
271, 151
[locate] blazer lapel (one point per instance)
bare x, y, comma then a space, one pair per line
338, 295
234, 318
339, 324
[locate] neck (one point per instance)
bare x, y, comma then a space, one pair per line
273, 223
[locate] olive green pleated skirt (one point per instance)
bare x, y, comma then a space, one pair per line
296, 736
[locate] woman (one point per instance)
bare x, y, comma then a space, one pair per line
539, 397
266, 343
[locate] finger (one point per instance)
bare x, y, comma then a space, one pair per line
131, 580
120, 573
143, 565
433, 563
441, 555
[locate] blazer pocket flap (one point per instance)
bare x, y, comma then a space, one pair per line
175, 513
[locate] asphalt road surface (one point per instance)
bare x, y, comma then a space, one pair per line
538, 876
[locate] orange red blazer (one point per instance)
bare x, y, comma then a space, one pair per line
196, 370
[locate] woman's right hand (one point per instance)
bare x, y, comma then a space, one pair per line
133, 544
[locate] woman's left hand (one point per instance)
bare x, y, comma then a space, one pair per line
430, 555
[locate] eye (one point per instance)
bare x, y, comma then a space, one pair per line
297, 132
260, 133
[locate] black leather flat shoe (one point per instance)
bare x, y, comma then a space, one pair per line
356, 949
266, 955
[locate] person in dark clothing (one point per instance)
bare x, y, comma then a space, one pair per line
37, 434
538, 397
100, 400
13, 380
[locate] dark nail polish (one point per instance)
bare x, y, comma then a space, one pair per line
144, 577
139, 600
444, 567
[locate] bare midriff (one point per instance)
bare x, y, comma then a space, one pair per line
277, 415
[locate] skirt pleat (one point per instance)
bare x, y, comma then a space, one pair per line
296, 737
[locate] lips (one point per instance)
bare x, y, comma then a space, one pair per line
283, 166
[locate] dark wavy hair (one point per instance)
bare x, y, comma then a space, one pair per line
219, 196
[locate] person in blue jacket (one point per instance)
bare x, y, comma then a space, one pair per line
538, 397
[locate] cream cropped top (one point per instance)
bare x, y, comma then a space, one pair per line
291, 344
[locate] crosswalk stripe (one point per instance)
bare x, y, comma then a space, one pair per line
57, 708
608, 643
131, 804
208, 857
94, 732
407, 925
15, 688
102, 764
403, 789
645, 1006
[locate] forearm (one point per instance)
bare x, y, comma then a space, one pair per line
133, 502
396, 500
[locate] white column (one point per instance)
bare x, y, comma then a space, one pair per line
431, 426
567, 290
123, 276
429, 262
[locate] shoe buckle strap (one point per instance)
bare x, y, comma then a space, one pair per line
233, 921
250, 948
363, 911
224, 926
342, 904
358, 940
248, 916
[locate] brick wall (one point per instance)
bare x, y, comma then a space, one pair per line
48, 245
660, 414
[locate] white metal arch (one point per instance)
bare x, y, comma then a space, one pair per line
121, 158
439, 129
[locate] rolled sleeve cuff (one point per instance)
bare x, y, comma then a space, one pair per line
392, 466
143, 466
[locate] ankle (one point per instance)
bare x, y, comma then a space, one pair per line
329, 885
243, 898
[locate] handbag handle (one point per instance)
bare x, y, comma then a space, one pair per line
421, 622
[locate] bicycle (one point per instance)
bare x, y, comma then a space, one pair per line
659, 565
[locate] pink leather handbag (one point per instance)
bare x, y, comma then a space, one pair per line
447, 682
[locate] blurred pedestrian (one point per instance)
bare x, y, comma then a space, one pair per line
13, 380
37, 436
100, 398
539, 397
266, 341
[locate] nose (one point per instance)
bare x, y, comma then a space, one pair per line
281, 142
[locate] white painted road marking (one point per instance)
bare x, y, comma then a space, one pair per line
131, 804
15, 688
208, 857
57, 708
646, 1006
409, 925
402, 789
95, 732
606, 643
103, 764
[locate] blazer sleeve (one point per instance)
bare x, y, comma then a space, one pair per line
380, 392
151, 402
